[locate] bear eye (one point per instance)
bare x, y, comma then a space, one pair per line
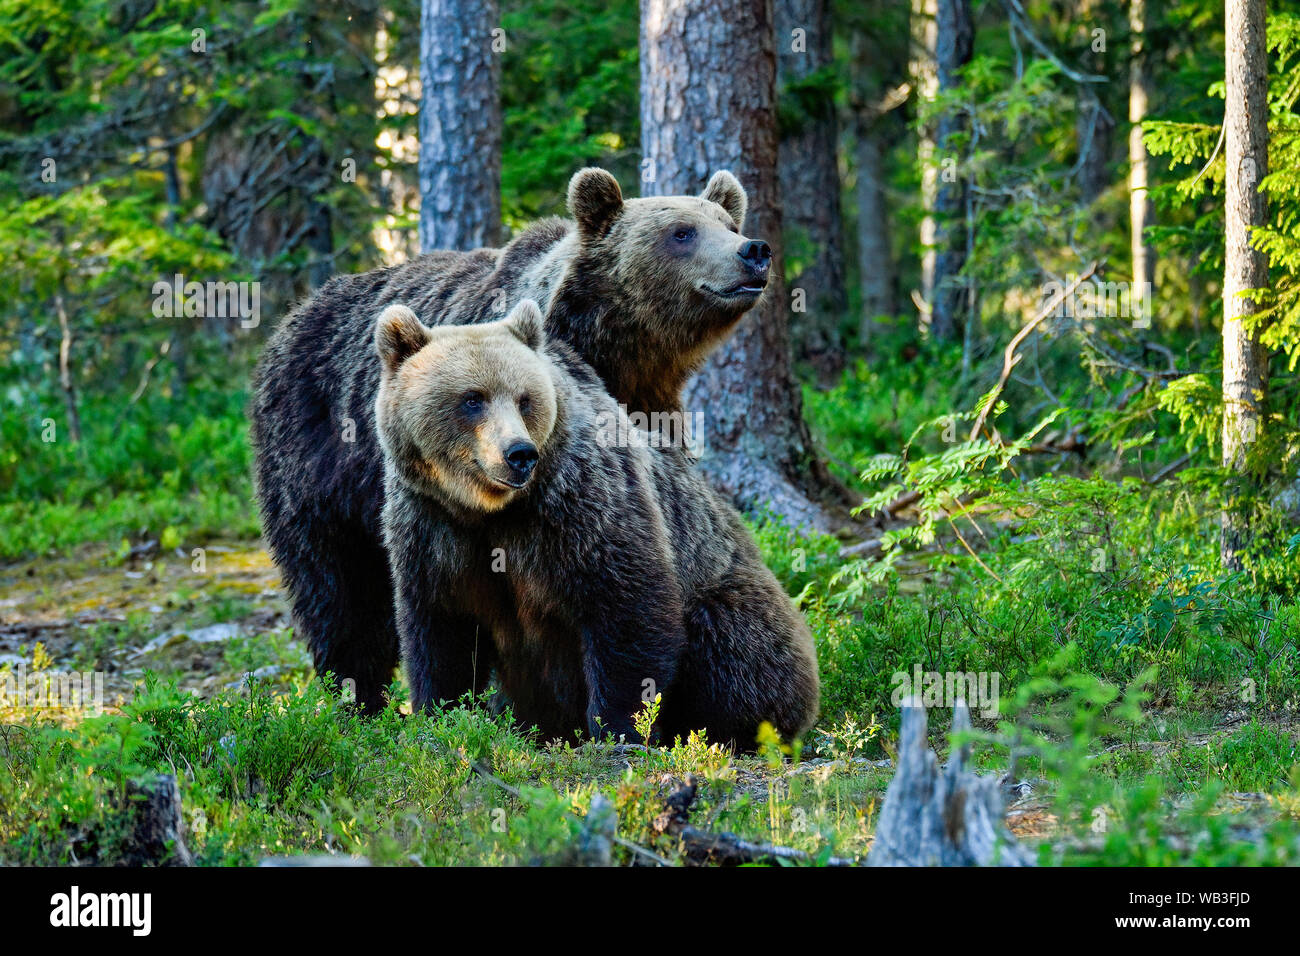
525, 404
471, 403
684, 233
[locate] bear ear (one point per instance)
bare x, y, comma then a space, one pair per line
398, 336
525, 323
725, 190
595, 201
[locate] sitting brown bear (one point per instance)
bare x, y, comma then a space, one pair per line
592, 574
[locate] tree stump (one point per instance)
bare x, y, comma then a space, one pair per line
157, 824
941, 818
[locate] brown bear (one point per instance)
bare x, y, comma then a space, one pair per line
641, 289
591, 572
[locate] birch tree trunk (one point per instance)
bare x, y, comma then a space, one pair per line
810, 183
460, 124
1139, 92
1245, 362
708, 84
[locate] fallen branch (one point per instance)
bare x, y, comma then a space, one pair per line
700, 846
599, 827
1172, 468
862, 547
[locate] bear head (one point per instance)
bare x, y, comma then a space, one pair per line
679, 264
464, 412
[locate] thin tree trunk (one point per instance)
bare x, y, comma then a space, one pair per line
946, 40
810, 183
875, 249
1093, 126
1245, 362
460, 125
1093, 129
708, 84
925, 80
1140, 208
877, 273
66, 381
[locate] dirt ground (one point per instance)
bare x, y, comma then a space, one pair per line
202, 619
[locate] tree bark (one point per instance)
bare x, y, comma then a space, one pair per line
871, 107
945, 38
810, 182
1093, 126
1245, 362
1139, 94
460, 125
708, 85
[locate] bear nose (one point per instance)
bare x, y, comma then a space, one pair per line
521, 456
757, 254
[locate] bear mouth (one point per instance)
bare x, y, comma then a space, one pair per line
744, 289
506, 484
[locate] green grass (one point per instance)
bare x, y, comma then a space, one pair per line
1140, 686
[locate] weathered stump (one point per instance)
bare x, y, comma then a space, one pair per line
157, 824
942, 818
596, 839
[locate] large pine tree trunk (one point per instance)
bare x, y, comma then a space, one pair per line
1139, 94
945, 38
708, 84
460, 125
1245, 362
810, 182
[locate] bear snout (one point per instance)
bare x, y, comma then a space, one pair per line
521, 457
757, 256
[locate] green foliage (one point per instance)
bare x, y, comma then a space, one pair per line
567, 105
170, 461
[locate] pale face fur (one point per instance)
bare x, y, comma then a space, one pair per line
686, 254
673, 274
465, 412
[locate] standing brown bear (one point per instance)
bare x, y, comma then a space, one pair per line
591, 572
642, 290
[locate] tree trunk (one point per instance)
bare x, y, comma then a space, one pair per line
1139, 203
875, 250
1093, 124
460, 125
877, 274
810, 183
708, 84
1245, 362
945, 38
1093, 128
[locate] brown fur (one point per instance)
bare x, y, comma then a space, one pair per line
636, 306
578, 630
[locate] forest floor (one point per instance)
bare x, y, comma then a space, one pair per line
215, 627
